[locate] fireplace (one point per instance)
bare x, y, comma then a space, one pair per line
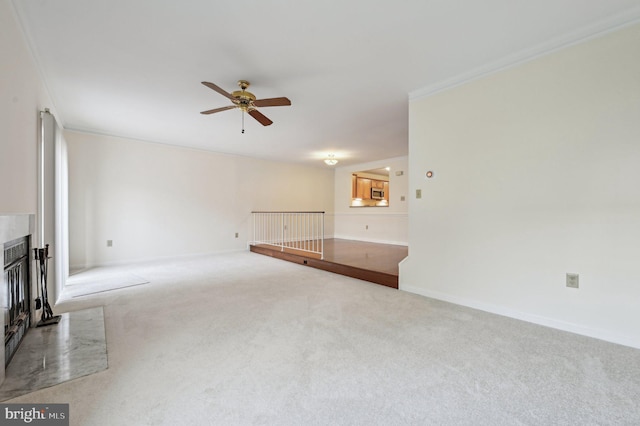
16, 294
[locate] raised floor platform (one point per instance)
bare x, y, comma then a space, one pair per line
376, 263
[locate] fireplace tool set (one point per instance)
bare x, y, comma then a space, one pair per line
47, 318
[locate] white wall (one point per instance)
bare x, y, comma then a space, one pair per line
537, 175
385, 224
158, 201
22, 97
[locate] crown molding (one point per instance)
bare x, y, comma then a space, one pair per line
599, 29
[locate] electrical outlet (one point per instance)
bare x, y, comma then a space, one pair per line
109, 243
418, 193
573, 281
236, 235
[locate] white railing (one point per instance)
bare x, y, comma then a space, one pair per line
290, 231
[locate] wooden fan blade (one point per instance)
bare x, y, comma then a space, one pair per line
219, 90
211, 111
272, 102
260, 117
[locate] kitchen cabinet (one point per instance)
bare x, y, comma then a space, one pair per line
354, 186
363, 188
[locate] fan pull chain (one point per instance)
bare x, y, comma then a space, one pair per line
243, 122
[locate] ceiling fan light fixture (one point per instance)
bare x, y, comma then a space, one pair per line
331, 160
246, 102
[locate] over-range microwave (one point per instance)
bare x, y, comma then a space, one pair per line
377, 194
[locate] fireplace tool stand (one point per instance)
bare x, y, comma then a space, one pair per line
47, 318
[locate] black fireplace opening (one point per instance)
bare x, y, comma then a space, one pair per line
17, 266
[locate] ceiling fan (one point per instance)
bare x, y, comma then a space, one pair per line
247, 102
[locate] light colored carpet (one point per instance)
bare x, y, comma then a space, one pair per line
245, 339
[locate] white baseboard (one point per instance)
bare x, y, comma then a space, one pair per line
608, 336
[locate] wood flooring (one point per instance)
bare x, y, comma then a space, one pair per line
373, 262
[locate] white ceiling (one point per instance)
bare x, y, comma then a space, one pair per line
133, 68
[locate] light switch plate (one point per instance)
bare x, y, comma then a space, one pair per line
418, 193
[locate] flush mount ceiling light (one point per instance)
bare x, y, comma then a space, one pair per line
331, 160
